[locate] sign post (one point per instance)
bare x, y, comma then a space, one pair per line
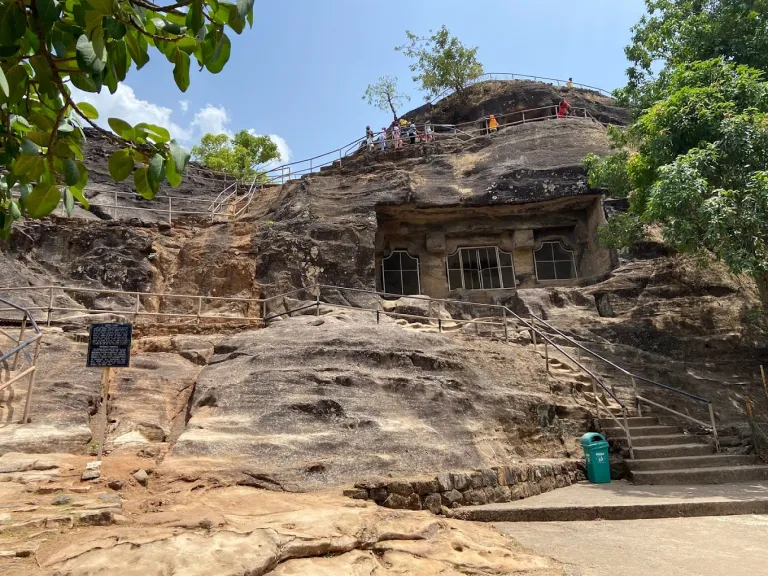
109, 346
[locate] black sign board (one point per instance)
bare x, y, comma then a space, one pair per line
109, 345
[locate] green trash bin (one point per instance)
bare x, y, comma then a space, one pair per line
596, 452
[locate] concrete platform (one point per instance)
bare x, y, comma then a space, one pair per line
625, 501
707, 546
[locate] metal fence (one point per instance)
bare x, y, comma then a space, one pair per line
19, 360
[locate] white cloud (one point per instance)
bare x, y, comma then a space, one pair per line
126, 105
211, 119
282, 147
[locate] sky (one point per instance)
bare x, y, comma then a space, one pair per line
299, 74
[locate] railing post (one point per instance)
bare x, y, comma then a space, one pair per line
114, 212
170, 210
136, 310
440, 325
506, 334
30, 387
597, 402
50, 306
21, 339
533, 331
199, 309
310, 165
629, 436
523, 116
263, 309
317, 303
378, 316
714, 427
637, 402
546, 355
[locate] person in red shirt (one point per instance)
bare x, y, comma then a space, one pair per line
562, 111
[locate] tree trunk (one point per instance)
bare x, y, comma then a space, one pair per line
394, 112
761, 279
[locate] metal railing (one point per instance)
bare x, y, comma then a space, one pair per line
498, 310
509, 77
12, 369
257, 310
710, 426
133, 305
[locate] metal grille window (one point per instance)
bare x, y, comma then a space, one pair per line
483, 268
400, 273
554, 262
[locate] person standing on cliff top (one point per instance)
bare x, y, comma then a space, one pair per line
369, 137
396, 136
383, 139
569, 84
493, 124
562, 112
412, 133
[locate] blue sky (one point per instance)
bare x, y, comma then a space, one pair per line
300, 72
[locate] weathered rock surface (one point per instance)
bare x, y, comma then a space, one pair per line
313, 403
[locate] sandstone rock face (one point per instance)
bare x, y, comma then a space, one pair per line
311, 402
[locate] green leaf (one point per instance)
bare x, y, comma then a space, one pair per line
215, 63
87, 59
17, 77
20, 124
173, 177
118, 59
135, 48
13, 23
141, 182
115, 29
194, 19
156, 171
48, 10
121, 164
80, 186
78, 194
103, 7
15, 211
71, 173
122, 128
244, 7
157, 133
84, 82
28, 147
88, 110
180, 156
43, 200
4, 83
69, 201
181, 70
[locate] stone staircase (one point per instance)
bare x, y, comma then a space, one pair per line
668, 455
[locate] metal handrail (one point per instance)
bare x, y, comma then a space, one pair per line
634, 377
619, 368
512, 77
22, 346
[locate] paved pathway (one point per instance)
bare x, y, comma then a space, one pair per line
707, 546
625, 501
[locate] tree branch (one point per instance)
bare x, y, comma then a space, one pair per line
156, 8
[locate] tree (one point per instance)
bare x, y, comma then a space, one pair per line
679, 31
239, 155
385, 95
441, 62
696, 163
47, 46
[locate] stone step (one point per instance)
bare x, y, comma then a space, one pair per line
675, 451
664, 440
716, 475
688, 462
633, 421
659, 430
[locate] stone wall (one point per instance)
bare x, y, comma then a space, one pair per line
488, 485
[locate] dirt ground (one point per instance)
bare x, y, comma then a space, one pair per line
707, 546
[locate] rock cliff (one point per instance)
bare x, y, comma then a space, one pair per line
316, 401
